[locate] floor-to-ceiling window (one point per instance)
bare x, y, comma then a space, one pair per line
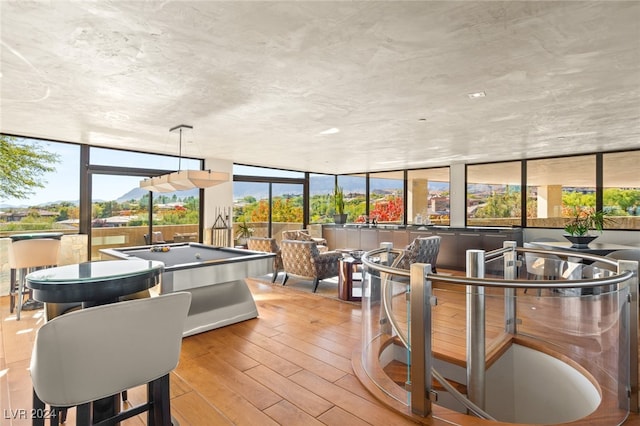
268, 201
494, 194
555, 188
355, 196
121, 213
320, 198
621, 189
287, 207
53, 206
386, 197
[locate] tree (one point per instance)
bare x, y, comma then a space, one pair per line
501, 204
388, 209
22, 166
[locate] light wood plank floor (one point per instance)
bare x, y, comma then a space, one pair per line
290, 366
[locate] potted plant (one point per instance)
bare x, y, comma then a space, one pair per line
244, 232
577, 229
338, 201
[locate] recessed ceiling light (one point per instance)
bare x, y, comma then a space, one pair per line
477, 95
330, 131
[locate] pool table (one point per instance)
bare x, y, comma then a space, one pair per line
215, 276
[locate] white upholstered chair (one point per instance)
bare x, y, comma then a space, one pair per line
94, 353
25, 256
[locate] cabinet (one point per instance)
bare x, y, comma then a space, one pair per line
453, 246
353, 238
369, 238
329, 234
448, 256
400, 238
340, 239
495, 241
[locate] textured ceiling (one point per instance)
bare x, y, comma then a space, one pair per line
261, 81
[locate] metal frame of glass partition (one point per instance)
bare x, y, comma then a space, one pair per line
399, 306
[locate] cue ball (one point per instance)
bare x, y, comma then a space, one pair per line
197, 255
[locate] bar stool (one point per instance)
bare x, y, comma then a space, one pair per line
26, 256
80, 358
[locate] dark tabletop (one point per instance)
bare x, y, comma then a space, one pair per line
36, 236
95, 282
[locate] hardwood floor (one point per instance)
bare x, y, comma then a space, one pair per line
290, 366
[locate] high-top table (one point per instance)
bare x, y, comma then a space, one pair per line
94, 283
597, 248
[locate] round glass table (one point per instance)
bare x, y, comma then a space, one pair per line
94, 283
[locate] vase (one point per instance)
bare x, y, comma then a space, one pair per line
340, 218
580, 241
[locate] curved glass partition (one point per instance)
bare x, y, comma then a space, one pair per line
525, 336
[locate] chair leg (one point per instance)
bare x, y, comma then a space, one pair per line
125, 395
316, 281
20, 298
84, 415
54, 418
151, 420
286, 277
159, 393
63, 415
60, 413
12, 289
38, 406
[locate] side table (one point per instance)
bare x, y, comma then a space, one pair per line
350, 270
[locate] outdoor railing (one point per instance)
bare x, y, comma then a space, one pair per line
581, 310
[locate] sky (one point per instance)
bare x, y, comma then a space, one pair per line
63, 184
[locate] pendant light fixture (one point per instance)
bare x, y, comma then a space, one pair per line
183, 180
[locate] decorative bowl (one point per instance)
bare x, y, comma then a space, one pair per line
580, 241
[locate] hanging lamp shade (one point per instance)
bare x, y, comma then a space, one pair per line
187, 179
183, 180
147, 184
162, 184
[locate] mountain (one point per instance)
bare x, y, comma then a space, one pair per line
317, 184
134, 194
138, 193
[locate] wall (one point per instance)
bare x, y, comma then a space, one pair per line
527, 386
218, 199
458, 194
